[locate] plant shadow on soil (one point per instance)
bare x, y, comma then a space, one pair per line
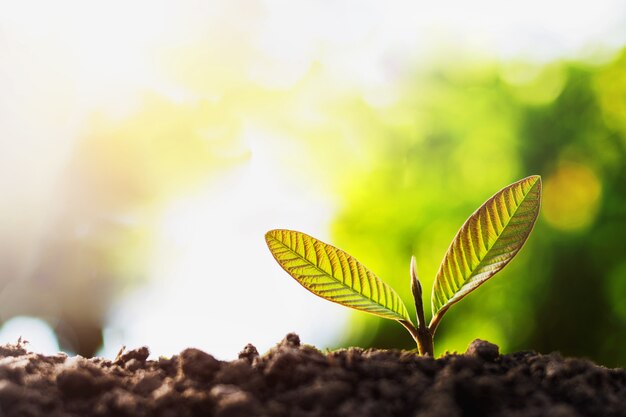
298, 380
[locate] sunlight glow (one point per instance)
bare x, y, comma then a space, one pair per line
573, 195
76, 74
38, 334
215, 285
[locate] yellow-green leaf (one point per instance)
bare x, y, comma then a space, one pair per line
488, 240
333, 274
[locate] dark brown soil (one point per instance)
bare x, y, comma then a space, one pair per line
298, 380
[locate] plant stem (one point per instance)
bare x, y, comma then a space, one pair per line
425, 341
422, 337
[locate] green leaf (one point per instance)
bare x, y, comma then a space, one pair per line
333, 274
488, 240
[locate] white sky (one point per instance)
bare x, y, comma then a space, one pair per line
62, 60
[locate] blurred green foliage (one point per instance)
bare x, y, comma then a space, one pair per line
454, 137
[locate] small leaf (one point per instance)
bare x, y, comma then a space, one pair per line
416, 289
488, 240
332, 274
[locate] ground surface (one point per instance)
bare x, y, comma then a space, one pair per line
297, 380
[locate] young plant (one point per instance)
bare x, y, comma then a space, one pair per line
486, 242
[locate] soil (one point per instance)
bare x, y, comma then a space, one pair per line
299, 380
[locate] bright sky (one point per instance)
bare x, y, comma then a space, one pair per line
62, 61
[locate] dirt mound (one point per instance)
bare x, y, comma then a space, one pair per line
299, 380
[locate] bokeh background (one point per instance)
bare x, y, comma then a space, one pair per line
146, 147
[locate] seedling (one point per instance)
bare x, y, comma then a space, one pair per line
486, 242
